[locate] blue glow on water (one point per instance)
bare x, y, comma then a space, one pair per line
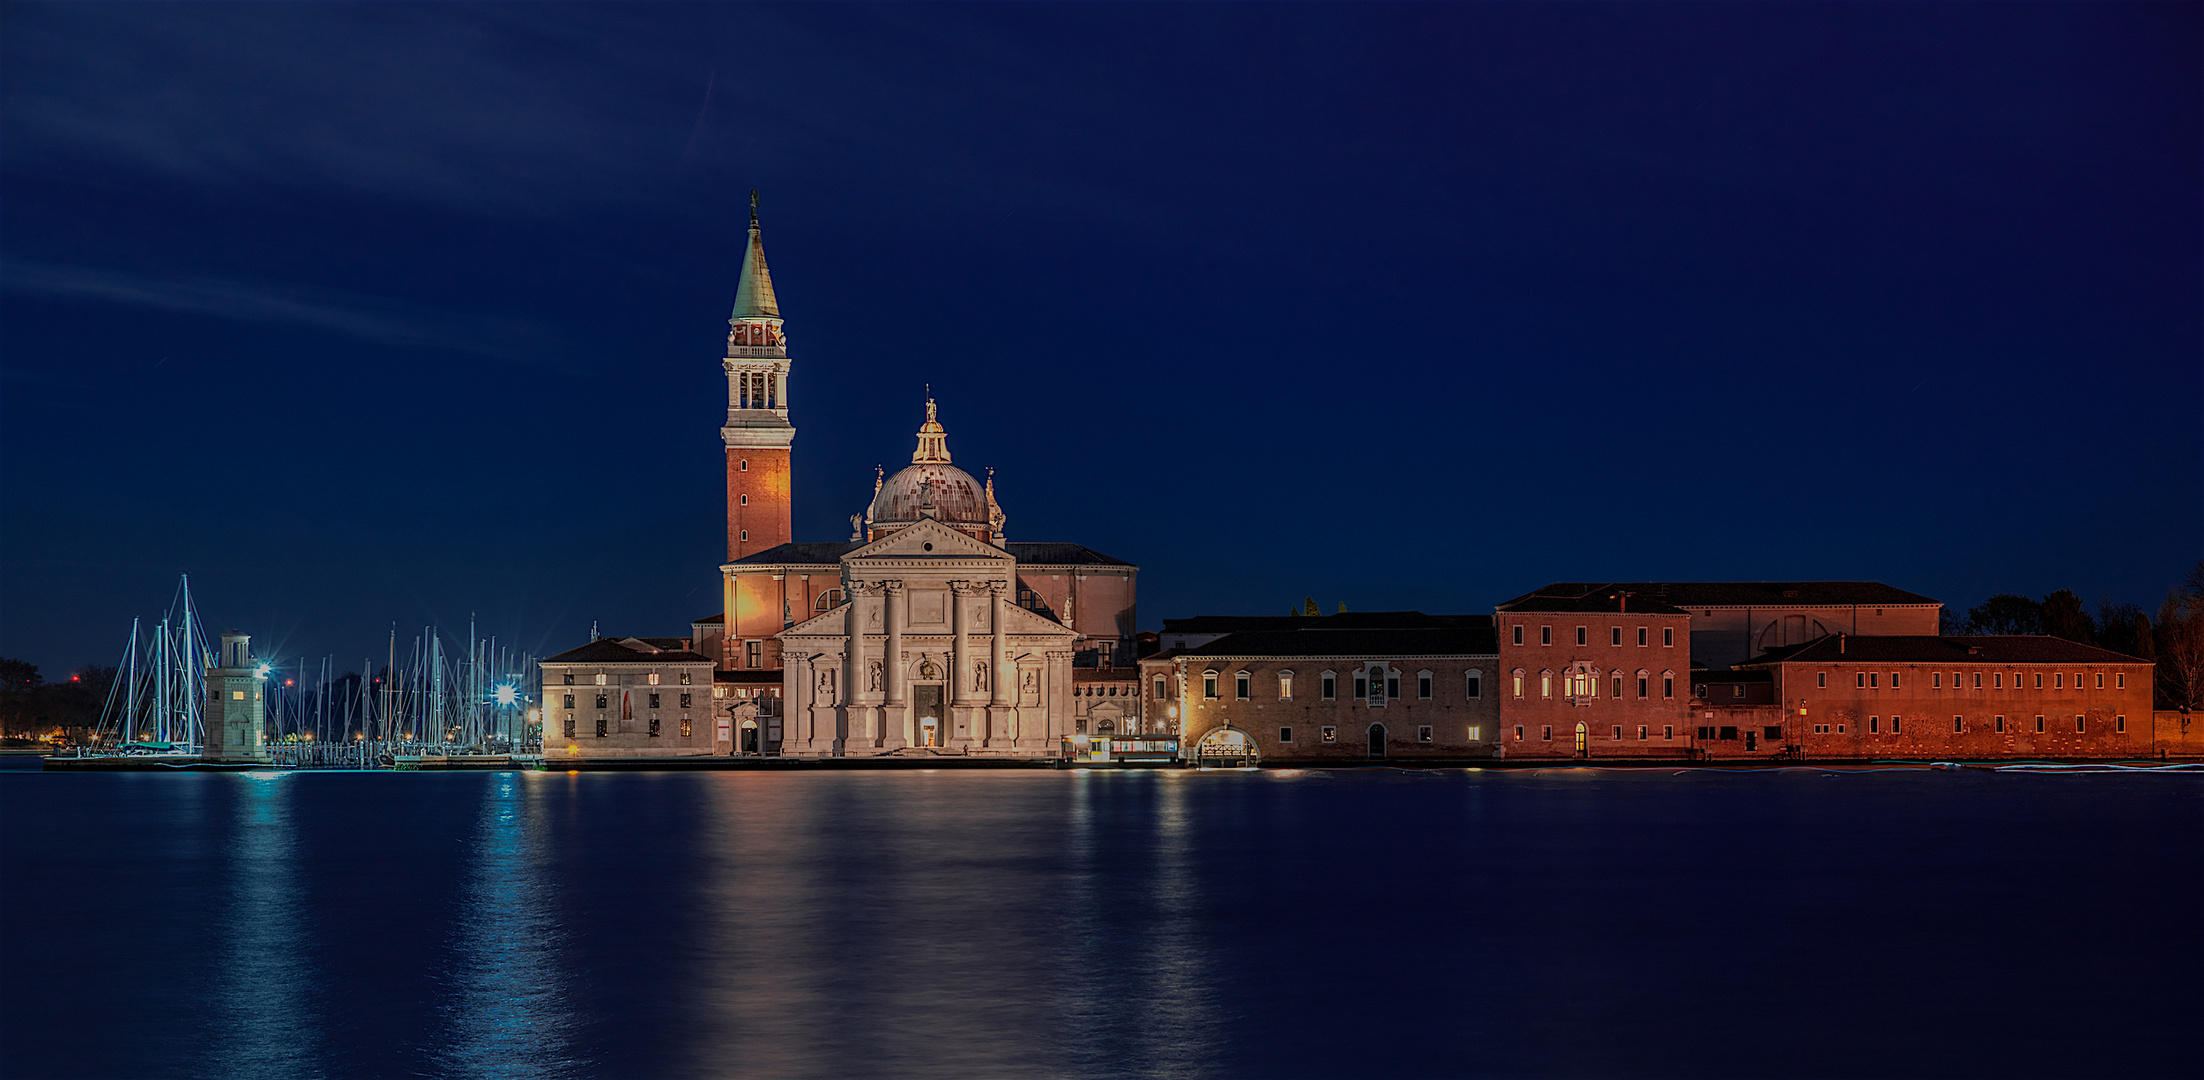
1098, 923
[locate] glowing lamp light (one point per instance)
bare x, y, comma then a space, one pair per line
507, 695
261, 672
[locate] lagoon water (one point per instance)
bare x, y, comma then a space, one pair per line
972, 924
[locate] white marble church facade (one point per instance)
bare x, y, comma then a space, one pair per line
927, 651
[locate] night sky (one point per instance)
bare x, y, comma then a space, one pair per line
369, 314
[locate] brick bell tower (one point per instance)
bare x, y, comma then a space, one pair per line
758, 434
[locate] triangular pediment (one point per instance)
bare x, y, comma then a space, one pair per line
929, 539
1018, 620
832, 621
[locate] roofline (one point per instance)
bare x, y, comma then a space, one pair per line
1330, 656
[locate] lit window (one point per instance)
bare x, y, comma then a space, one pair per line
600, 680
600, 701
1518, 733
754, 653
1329, 733
1737, 690
684, 700
1618, 731
654, 678
1475, 733
1518, 684
1423, 733
1285, 686
1617, 687
684, 678
1641, 732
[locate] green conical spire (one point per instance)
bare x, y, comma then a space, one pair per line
754, 295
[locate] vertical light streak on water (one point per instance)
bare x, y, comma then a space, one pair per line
763, 998
1177, 1030
505, 1008
262, 1022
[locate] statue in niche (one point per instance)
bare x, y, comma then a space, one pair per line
927, 670
979, 675
1032, 682
872, 676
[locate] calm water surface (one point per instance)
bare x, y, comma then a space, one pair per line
1100, 924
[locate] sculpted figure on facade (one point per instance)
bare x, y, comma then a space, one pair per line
979, 675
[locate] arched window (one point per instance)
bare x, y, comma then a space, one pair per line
827, 600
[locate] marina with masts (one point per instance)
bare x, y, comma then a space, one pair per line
432, 702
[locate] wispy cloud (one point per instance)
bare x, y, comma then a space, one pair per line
368, 318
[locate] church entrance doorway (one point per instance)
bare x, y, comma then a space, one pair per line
933, 728
1377, 740
749, 736
1583, 742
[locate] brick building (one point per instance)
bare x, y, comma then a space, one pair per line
1593, 671
1393, 685
1733, 621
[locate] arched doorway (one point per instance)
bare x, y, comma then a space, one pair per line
1225, 748
929, 731
1377, 740
750, 737
1583, 741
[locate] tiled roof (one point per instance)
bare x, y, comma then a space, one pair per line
748, 677
609, 651
1345, 620
1104, 674
1732, 675
813, 554
1770, 593
1576, 597
1349, 644
1229, 624
1046, 554
2012, 649
717, 618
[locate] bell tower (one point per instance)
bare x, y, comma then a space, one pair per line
758, 434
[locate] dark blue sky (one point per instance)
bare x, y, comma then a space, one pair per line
367, 314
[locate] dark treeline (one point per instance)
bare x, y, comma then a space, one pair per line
2172, 637
30, 706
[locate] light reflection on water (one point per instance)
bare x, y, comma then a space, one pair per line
505, 1011
266, 988
1175, 924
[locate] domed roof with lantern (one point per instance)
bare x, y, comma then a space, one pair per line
931, 487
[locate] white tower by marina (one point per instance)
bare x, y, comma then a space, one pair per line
234, 708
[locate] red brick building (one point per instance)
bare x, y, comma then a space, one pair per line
1593, 671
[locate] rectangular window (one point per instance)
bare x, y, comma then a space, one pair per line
1668, 731
1644, 690
1668, 635
1641, 732
1997, 724
1285, 688
1240, 685
569, 701
653, 727
654, 701
1958, 726
1160, 692
684, 678
1327, 687
1392, 686
1893, 680
1874, 679
1874, 723
686, 730
1772, 733
2080, 723
1936, 680
1668, 686
601, 678
569, 727
1519, 633
1998, 680
1545, 684
569, 679
2058, 681
1894, 728
1617, 687
1546, 733
1859, 680
1615, 632
1545, 635
1362, 686
1475, 685
2039, 725
754, 653
2100, 680
1641, 637
1580, 635
2119, 681
2119, 723
654, 678
684, 700
1978, 680
1518, 684
1329, 734
2039, 680
600, 725
1423, 733
1423, 687
1285, 734
1821, 680
1518, 733
600, 701
1618, 732
1208, 684
1475, 733
1737, 690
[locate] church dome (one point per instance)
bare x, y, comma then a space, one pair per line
931, 487
957, 498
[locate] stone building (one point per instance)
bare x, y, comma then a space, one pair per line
1348, 687
1593, 671
235, 715
636, 697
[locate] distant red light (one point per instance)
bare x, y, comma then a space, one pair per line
76, 678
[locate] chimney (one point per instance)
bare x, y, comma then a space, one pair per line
1840, 643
